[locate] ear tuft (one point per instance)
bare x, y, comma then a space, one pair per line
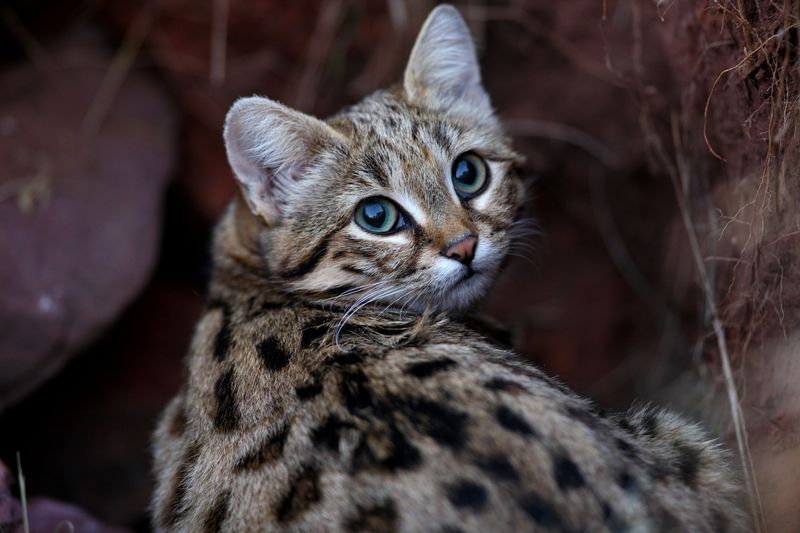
443, 71
272, 149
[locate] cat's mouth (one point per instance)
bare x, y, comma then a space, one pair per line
465, 278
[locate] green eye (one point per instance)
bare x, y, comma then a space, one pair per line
378, 215
470, 175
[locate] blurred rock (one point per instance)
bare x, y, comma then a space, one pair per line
49, 516
79, 210
100, 411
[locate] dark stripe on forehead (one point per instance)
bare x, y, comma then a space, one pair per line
373, 167
441, 137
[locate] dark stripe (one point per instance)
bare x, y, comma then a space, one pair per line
313, 331
269, 451
374, 169
505, 385
309, 263
513, 422
222, 343
424, 369
227, 415
381, 517
302, 494
309, 391
175, 509
329, 433
216, 515
688, 463
440, 136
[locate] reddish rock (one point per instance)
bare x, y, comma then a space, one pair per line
79, 209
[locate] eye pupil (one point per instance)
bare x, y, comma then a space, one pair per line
466, 173
374, 214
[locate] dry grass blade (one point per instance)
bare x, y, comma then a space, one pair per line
721, 75
23, 496
678, 176
117, 71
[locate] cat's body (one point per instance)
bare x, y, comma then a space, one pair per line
328, 389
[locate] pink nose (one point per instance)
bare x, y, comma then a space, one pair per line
462, 250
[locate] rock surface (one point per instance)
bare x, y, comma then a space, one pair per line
79, 207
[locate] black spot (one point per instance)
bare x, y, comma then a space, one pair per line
513, 422
175, 509
423, 369
442, 423
303, 493
567, 474
329, 433
625, 447
399, 455
269, 451
626, 481
216, 515
467, 494
274, 355
624, 424
354, 387
540, 511
223, 341
227, 415
505, 385
650, 425
313, 331
499, 468
351, 357
309, 391
451, 529
381, 517
688, 463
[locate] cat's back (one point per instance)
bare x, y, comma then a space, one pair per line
288, 422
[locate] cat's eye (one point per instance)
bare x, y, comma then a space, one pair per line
379, 215
470, 175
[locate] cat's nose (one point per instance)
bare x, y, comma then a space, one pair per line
462, 250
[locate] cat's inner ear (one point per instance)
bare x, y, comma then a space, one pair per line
274, 151
443, 71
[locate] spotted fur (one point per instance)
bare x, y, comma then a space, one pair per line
329, 386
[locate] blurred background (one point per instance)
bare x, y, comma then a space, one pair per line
661, 140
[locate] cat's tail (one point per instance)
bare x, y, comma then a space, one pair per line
684, 450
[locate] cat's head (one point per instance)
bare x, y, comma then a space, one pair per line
406, 198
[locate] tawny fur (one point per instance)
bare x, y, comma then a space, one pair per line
329, 386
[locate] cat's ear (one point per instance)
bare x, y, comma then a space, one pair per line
273, 150
443, 72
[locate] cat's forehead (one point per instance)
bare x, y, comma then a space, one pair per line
403, 146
